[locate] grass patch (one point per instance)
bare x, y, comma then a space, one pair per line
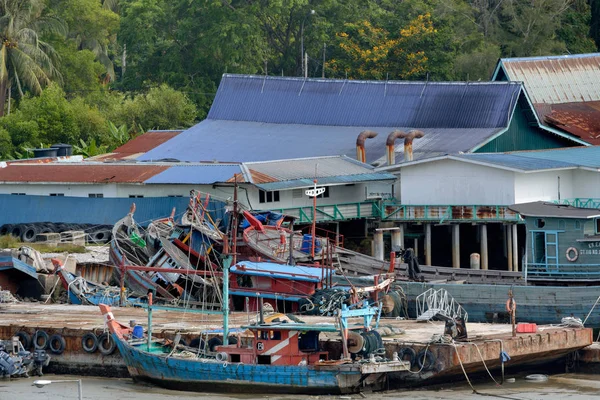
9, 242
12, 242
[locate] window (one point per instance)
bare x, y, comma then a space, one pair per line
297, 194
578, 225
325, 193
597, 221
136, 196
174, 195
57, 194
268, 197
96, 195
562, 224
18, 194
540, 223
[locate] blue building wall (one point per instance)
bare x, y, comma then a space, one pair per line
83, 210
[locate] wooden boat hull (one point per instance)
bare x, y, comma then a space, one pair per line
537, 304
213, 376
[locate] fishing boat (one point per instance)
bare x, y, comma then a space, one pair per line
275, 357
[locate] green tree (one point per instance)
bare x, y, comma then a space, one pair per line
25, 60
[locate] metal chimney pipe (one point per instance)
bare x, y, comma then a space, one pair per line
408, 140
361, 155
390, 144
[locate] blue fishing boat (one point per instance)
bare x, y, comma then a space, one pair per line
273, 358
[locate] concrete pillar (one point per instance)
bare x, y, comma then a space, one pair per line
427, 244
401, 235
456, 246
378, 240
515, 253
484, 247
397, 240
509, 247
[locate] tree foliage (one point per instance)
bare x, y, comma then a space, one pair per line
71, 66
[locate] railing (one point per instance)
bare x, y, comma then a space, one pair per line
333, 212
393, 211
580, 202
570, 271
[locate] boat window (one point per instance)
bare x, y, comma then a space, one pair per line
96, 195
263, 360
18, 194
57, 194
597, 221
561, 224
234, 358
578, 225
540, 223
136, 196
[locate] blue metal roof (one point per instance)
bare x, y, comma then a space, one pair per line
257, 118
196, 174
516, 161
281, 100
273, 270
576, 156
243, 141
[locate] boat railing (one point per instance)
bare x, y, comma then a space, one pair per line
573, 271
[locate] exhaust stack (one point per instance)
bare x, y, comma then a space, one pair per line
408, 140
361, 155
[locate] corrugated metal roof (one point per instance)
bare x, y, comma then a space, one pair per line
255, 141
330, 180
255, 118
544, 209
557, 79
516, 161
578, 156
580, 119
139, 145
195, 174
282, 100
86, 173
308, 168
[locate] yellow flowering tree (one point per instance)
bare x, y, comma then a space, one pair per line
364, 51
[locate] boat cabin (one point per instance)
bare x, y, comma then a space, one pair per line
282, 286
280, 344
563, 242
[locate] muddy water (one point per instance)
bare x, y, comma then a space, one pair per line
565, 386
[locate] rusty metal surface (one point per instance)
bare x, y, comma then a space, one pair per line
557, 79
139, 145
581, 119
89, 173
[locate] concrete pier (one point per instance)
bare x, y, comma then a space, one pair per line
456, 246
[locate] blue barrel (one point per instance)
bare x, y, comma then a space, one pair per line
138, 332
307, 244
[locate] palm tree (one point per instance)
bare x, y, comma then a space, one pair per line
25, 60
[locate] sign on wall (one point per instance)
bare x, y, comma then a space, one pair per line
379, 191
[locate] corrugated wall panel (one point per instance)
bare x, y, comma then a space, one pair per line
81, 210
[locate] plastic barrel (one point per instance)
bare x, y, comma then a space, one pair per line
138, 332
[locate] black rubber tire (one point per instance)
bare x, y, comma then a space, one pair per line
411, 353
24, 338
57, 344
16, 230
421, 359
106, 344
29, 233
233, 340
89, 342
197, 343
6, 229
43, 336
100, 236
212, 343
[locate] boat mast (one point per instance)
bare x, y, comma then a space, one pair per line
226, 264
